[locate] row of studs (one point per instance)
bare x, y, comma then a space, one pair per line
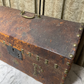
75, 45
37, 57
55, 65
46, 61
71, 56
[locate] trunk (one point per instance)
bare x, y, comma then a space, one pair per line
43, 48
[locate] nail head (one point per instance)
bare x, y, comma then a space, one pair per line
71, 55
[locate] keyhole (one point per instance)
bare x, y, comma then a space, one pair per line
18, 55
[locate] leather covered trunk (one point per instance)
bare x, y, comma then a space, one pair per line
43, 48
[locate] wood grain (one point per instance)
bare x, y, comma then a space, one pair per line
74, 10
53, 8
44, 73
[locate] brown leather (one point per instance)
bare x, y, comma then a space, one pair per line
47, 37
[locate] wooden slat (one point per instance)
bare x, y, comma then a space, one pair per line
74, 10
53, 8
26, 5
42, 6
1, 4
14, 4
6, 3
37, 6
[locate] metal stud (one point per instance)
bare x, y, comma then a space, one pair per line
33, 64
68, 63
71, 56
35, 69
74, 45
29, 53
66, 71
4, 42
78, 35
63, 78
10, 44
22, 51
55, 66
41, 70
81, 28
37, 58
39, 67
46, 61
35, 74
15, 61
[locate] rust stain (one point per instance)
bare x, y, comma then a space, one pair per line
61, 22
1, 21
4, 35
74, 49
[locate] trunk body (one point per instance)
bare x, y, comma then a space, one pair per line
47, 45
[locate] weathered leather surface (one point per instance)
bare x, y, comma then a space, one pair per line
55, 35
49, 38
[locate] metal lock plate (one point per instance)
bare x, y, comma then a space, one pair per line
14, 52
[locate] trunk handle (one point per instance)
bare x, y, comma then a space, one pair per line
23, 12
